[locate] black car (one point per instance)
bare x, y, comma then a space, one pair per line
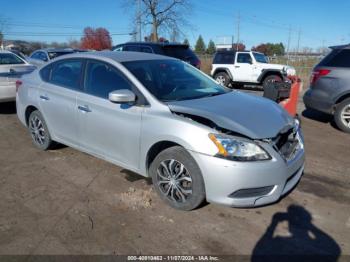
180, 51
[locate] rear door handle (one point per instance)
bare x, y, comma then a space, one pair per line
45, 98
237, 66
84, 109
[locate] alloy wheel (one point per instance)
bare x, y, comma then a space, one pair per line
221, 80
37, 130
174, 181
345, 116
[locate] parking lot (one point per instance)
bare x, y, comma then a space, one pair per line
67, 202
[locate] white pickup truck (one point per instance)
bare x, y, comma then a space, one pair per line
232, 68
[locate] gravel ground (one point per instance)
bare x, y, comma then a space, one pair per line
67, 202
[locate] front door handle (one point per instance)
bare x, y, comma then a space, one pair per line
45, 98
237, 66
84, 109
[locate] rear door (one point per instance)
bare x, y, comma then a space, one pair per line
58, 94
109, 130
243, 68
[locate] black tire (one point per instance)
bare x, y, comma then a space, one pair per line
190, 171
271, 78
223, 78
343, 107
39, 132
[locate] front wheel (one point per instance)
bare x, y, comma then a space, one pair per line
223, 79
178, 179
39, 131
342, 115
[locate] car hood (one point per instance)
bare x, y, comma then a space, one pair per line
248, 115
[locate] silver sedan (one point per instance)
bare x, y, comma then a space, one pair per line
12, 67
163, 118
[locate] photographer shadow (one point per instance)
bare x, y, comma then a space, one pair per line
304, 239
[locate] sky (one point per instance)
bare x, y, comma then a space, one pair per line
317, 22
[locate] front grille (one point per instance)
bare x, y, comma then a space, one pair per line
287, 144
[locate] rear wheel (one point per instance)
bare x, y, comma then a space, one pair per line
39, 131
178, 179
342, 115
271, 78
222, 78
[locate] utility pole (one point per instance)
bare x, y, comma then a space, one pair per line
139, 22
288, 45
238, 29
298, 46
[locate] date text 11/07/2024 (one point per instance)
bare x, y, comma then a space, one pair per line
173, 258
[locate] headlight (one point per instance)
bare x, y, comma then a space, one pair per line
237, 149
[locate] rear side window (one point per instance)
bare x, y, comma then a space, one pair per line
132, 48
101, 79
180, 52
10, 59
337, 58
222, 58
67, 73
146, 49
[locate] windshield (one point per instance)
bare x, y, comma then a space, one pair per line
173, 80
260, 58
10, 59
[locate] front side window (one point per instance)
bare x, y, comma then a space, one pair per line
260, 58
244, 59
10, 59
101, 79
67, 73
173, 80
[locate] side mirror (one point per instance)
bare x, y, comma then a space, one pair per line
122, 96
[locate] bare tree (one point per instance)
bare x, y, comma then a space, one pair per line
162, 15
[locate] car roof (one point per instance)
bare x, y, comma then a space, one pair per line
232, 51
56, 50
340, 47
118, 56
154, 44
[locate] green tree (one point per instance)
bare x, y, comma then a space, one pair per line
211, 47
270, 49
200, 47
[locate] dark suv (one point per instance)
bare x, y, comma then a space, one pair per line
329, 90
180, 51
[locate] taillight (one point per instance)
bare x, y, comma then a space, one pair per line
317, 74
18, 84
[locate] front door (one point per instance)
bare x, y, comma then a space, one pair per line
107, 129
243, 68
